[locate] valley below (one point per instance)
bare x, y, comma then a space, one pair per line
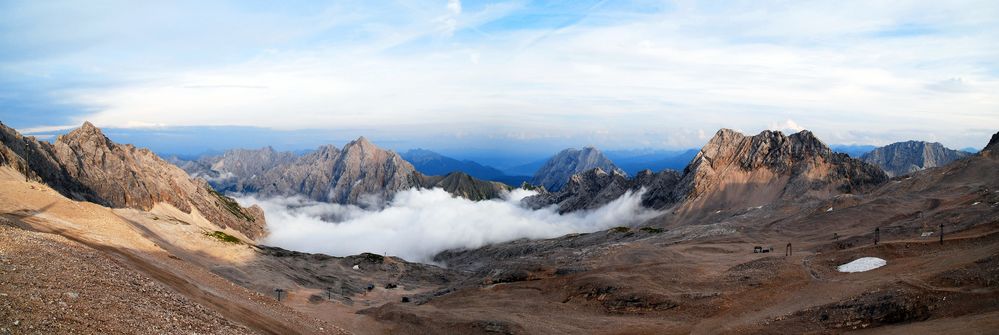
720, 261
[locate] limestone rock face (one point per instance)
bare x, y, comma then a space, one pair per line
595, 187
731, 171
86, 165
993, 142
555, 173
738, 170
360, 173
991, 150
902, 158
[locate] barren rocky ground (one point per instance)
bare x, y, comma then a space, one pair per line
77, 267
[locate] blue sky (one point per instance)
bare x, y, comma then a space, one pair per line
512, 76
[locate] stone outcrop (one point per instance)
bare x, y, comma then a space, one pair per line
902, 158
86, 165
596, 187
555, 173
734, 170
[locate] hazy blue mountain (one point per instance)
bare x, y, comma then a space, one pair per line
854, 150
432, 163
527, 169
970, 150
435, 164
902, 158
557, 171
633, 161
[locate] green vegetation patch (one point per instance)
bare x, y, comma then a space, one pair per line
231, 205
652, 230
222, 236
620, 229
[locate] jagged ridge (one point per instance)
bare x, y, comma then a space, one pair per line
555, 173
85, 165
902, 158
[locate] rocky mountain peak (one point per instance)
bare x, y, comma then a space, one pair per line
993, 143
738, 170
555, 173
86, 165
86, 133
902, 158
361, 142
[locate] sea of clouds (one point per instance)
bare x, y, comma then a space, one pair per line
417, 224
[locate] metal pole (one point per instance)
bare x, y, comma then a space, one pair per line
278, 291
788, 252
329, 293
941, 234
877, 235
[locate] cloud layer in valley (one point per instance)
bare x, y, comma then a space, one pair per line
417, 224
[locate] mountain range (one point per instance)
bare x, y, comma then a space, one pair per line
360, 173
906, 157
86, 165
556, 172
731, 171
106, 231
633, 161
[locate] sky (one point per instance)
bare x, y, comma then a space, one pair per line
505, 77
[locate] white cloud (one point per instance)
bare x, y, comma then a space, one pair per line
822, 64
788, 126
418, 224
454, 6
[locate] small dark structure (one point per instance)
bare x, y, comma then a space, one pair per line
391, 286
877, 235
787, 250
278, 291
371, 287
329, 293
941, 234
759, 249
405, 299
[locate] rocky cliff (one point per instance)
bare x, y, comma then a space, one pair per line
555, 173
86, 165
731, 171
361, 173
734, 170
902, 158
595, 187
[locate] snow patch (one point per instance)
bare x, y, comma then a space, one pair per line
862, 264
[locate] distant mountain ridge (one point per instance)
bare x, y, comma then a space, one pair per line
656, 160
557, 171
902, 158
432, 163
854, 150
731, 171
360, 173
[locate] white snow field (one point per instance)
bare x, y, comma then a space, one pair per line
862, 264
